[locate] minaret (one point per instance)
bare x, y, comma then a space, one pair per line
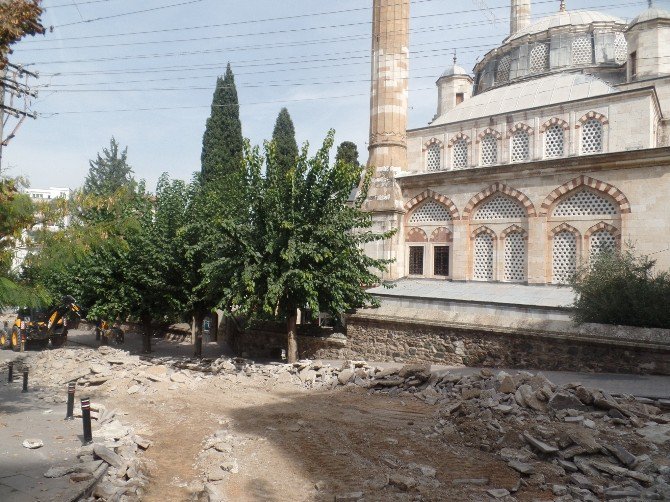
388, 120
519, 16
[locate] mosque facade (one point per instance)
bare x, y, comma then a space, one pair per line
554, 149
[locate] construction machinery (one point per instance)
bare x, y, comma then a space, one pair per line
38, 327
108, 333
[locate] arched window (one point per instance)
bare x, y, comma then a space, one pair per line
585, 202
502, 73
499, 207
601, 241
460, 154
539, 58
554, 141
564, 256
483, 259
520, 146
515, 257
489, 145
431, 211
592, 136
434, 157
582, 50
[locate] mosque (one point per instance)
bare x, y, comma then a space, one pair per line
553, 149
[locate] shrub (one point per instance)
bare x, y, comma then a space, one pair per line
622, 288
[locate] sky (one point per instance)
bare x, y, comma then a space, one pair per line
144, 72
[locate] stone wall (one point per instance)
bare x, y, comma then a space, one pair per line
378, 338
267, 340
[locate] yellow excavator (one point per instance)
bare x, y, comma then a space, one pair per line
38, 327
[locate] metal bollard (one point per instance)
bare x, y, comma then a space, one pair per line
70, 401
23, 342
86, 416
25, 380
10, 376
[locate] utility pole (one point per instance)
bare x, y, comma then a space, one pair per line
15, 100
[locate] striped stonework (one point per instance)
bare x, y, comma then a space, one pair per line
499, 187
601, 186
429, 194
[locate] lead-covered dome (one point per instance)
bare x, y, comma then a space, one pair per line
579, 40
566, 18
650, 14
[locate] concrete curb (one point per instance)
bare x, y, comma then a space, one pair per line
87, 490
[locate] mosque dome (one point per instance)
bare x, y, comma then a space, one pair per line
566, 18
650, 14
454, 70
567, 41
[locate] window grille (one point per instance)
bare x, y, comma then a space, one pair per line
460, 154
502, 73
564, 256
489, 150
416, 260
582, 50
434, 157
483, 257
430, 211
520, 146
500, 207
539, 58
602, 241
441, 260
554, 141
585, 203
515, 257
592, 136
620, 48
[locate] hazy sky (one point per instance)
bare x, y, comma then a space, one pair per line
160, 68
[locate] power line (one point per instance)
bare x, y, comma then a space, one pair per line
128, 13
47, 7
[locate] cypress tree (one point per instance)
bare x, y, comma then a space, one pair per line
347, 152
222, 143
286, 147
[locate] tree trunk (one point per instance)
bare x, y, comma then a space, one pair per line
146, 339
193, 324
292, 329
197, 320
214, 327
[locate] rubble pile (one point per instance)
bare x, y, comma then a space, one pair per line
574, 442
580, 443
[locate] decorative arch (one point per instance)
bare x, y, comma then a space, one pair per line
600, 186
520, 127
486, 132
499, 187
564, 227
441, 235
592, 115
513, 229
603, 226
432, 142
429, 194
553, 121
459, 137
484, 230
416, 235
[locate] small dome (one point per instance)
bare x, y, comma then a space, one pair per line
453, 71
650, 14
566, 18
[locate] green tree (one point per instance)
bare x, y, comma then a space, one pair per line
222, 143
109, 172
347, 151
623, 289
285, 145
300, 244
18, 18
16, 217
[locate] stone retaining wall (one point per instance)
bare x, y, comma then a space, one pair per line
383, 338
